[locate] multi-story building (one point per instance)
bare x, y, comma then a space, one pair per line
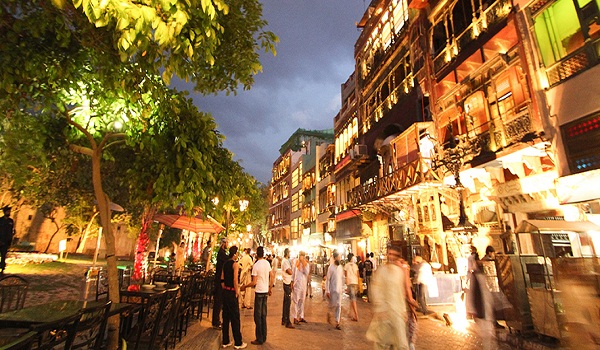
349, 155
476, 118
293, 202
279, 197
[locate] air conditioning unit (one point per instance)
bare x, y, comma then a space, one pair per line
360, 151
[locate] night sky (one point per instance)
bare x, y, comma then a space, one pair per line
298, 88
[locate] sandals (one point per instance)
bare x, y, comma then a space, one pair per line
338, 327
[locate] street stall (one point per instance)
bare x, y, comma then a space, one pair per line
551, 253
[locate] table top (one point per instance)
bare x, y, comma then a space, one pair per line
52, 312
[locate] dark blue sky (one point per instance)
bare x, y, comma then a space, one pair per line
298, 88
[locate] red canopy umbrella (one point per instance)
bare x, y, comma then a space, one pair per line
198, 223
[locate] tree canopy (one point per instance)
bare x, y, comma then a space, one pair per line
96, 74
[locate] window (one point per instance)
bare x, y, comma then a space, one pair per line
559, 32
295, 202
295, 177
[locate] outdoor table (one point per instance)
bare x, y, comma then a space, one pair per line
52, 312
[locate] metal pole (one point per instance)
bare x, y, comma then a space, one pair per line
160, 231
97, 246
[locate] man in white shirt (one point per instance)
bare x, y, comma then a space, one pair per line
246, 278
373, 261
286, 274
262, 280
334, 287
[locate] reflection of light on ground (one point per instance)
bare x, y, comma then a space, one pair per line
459, 322
459, 318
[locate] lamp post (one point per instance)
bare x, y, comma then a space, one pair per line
454, 157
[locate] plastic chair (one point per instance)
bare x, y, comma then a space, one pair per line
13, 291
90, 329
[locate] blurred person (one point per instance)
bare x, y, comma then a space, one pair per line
300, 273
286, 275
222, 257
334, 288
373, 261
7, 232
388, 327
423, 276
412, 305
309, 279
262, 279
368, 266
231, 306
245, 278
352, 279
361, 274
498, 299
479, 302
206, 255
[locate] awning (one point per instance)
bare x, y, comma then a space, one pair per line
549, 226
347, 214
578, 188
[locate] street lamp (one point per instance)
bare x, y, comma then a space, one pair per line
454, 157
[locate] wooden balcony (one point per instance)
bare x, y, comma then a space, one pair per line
410, 175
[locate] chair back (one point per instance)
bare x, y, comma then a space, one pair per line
89, 331
55, 335
161, 275
152, 310
124, 278
102, 285
13, 291
24, 342
169, 307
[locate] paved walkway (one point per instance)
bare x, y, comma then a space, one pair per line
318, 334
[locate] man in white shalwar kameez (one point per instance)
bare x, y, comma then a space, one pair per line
300, 273
388, 295
246, 264
334, 288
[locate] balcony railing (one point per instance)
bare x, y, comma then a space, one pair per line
575, 63
491, 16
401, 179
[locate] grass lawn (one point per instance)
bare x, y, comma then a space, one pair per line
58, 280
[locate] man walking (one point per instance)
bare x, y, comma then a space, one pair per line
262, 280
7, 232
334, 287
423, 276
389, 293
368, 267
351, 273
300, 282
246, 277
231, 306
286, 274
218, 301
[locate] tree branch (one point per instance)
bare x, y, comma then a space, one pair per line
80, 128
110, 135
80, 149
114, 143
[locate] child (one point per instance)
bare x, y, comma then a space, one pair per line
323, 286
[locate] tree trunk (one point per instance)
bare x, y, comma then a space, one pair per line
53, 235
86, 233
50, 241
109, 237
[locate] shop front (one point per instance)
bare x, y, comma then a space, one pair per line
553, 281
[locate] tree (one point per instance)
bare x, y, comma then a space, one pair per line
95, 65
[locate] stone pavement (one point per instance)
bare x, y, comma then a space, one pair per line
318, 334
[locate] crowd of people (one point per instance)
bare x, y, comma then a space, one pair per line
239, 275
